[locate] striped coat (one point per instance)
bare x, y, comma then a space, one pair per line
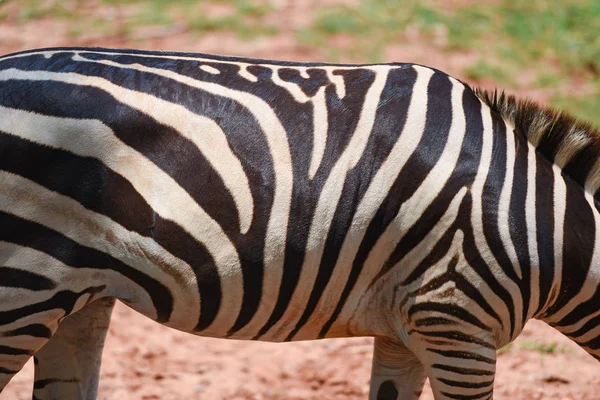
277, 201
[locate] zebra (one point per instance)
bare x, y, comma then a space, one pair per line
266, 200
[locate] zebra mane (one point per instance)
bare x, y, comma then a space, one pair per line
572, 144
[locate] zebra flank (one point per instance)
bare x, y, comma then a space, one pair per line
280, 201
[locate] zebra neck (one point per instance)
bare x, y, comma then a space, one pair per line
572, 302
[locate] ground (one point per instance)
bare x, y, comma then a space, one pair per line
144, 360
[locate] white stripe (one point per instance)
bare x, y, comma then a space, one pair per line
338, 81
210, 69
530, 219
405, 266
293, 88
244, 73
474, 278
504, 206
560, 213
320, 128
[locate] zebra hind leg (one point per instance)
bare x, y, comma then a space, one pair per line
396, 374
68, 366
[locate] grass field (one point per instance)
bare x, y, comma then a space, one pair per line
558, 41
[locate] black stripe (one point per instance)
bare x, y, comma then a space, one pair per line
449, 309
13, 351
578, 248
178, 242
35, 330
42, 383
463, 371
455, 336
582, 310
433, 321
517, 222
544, 213
469, 385
465, 355
592, 344
309, 86
472, 255
387, 391
580, 165
63, 300
30, 234
83, 179
18, 278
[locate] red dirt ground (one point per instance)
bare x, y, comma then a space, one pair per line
144, 360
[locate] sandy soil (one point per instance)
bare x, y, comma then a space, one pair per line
144, 360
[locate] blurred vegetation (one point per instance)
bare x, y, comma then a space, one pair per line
519, 44
243, 17
558, 41
504, 349
542, 348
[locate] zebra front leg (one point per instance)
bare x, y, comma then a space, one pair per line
396, 374
459, 366
68, 366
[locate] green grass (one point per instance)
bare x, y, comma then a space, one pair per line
542, 348
504, 349
372, 24
31, 9
559, 41
483, 69
245, 19
586, 107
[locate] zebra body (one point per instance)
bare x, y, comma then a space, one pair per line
276, 201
